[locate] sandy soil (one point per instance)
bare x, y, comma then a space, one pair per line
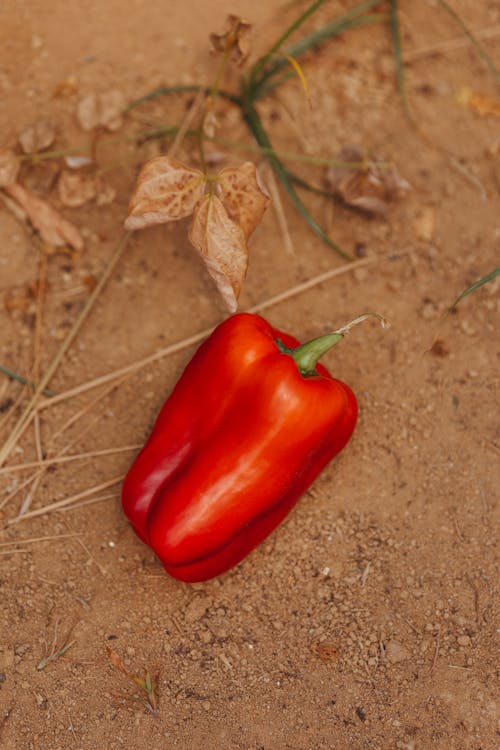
368, 620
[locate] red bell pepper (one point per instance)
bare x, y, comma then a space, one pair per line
248, 427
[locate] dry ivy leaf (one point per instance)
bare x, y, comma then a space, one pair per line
53, 229
104, 109
221, 243
9, 167
166, 190
37, 137
76, 189
243, 197
368, 188
234, 38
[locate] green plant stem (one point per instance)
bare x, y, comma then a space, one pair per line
190, 88
255, 125
474, 41
398, 58
484, 280
21, 379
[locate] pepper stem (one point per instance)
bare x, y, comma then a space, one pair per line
307, 355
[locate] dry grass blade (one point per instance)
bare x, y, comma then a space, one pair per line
36, 539
198, 337
26, 414
67, 501
44, 464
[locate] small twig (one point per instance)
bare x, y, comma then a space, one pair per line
436, 652
449, 45
197, 337
67, 501
191, 114
98, 499
280, 213
471, 178
66, 459
36, 539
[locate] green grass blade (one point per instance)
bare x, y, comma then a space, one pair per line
276, 47
254, 123
21, 379
476, 285
398, 58
170, 90
331, 30
474, 41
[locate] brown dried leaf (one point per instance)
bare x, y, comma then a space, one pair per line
326, 651
234, 38
117, 662
369, 188
9, 167
221, 243
166, 190
53, 229
481, 103
37, 137
76, 189
244, 199
104, 109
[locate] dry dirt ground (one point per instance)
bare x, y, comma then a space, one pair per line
368, 619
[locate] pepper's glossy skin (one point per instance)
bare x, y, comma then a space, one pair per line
239, 440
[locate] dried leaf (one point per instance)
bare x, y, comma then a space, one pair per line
364, 185
221, 243
116, 661
65, 88
166, 190
76, 189
53, 229
480, 103
234, 39
243, 197
37, 137
326, 651
9, 167
104, 109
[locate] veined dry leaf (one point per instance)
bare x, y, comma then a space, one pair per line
166, 190
76, 188
234, 38
37, 137
368, 188
104, 109
117, 662
244, 199
53, 229
221, 243
9, 167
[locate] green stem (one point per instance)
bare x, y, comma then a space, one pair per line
261, 63
254, 123
189, 88
21, 379
479, 47
398, 58
349, 20
307, 355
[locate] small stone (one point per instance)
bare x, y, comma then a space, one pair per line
424, 224
395, 652
463, 640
